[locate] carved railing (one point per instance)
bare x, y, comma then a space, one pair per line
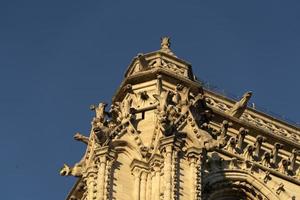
255, 118
259, 108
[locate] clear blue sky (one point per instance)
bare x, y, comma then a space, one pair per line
58, 57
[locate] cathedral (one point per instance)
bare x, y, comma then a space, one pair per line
167, 137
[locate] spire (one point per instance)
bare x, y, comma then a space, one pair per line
165, 45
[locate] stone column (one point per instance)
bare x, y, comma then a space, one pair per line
139, 170
104, 157
168, 173
108, 187
143, 191
200, 163
90, 177
156, 184
101, 178
195, 157
193, 162
155, 168
176, 176
167, 146
149, 185
137, 178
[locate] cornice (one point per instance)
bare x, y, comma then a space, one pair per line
249, 109
222, 104
152, 75
157, 53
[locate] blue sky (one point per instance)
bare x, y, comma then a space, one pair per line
58, 57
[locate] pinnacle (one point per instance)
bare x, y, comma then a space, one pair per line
165, 45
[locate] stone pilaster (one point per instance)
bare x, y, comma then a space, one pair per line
168, 147
155, 192
143, 191
196, 158
149, 186
156, 164
90, 178
104, 158
140, 171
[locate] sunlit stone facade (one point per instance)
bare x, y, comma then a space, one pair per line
166, 137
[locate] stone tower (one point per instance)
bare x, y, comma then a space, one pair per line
167, 137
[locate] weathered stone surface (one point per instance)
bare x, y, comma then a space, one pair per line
165, 137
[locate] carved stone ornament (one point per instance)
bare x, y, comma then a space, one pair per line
167, 137
239, 107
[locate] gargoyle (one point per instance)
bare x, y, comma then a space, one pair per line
71, 171
102, 131
100, 111
121, 111
283, 166
81, 138
224, 128
126, 108
143, 62
166, 125
203, 114
231, 145
239, 107
248, 154
78, 167
266, 159
293, 159
209, 143
199, 101
115, 112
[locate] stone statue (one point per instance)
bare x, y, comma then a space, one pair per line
78, 167
71, 171
182, 98
231, 145
248, 154
165, 45
266, 159
283, 166
100, 111
101, 131
239, 107
126, 108
115, 112
81, 138
166, 112
143, 62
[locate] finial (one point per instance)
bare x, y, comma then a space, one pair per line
165, 45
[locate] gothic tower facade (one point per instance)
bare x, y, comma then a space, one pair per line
166, 137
